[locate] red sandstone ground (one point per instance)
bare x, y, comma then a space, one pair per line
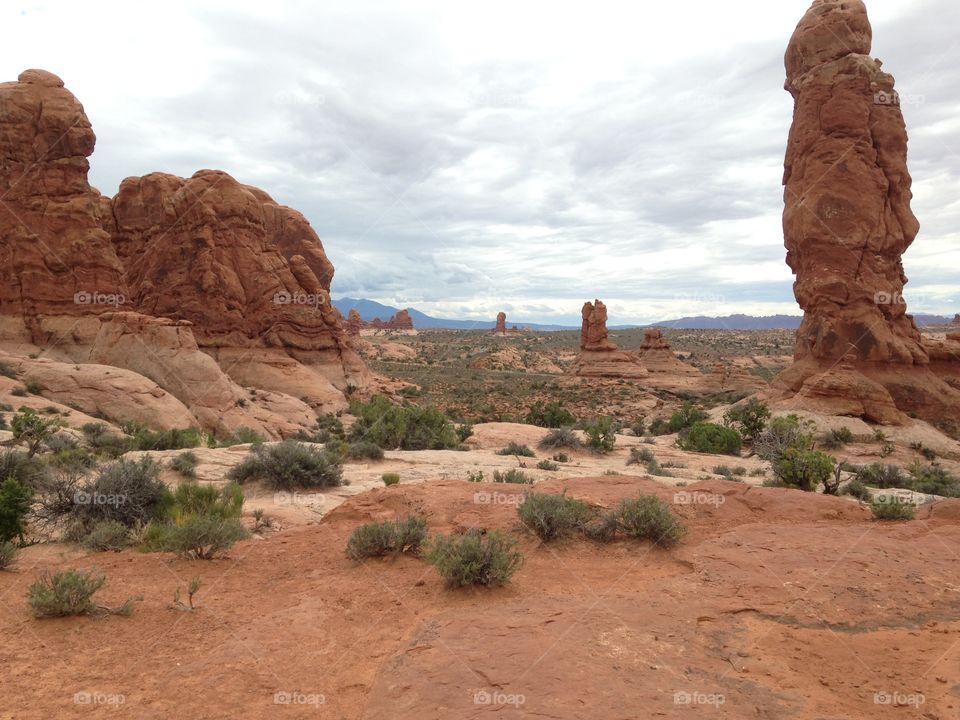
786, 605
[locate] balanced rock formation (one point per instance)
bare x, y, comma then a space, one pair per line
599, 356
847, 222
245, 278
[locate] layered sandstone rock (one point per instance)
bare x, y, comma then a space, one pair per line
731, 377
55, 258
599, 356
354, 323
400, 320
658, 357
956, 319
847, 221
248, 276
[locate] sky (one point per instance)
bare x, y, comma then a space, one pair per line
467, 158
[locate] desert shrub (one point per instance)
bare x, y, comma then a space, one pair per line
15, 500
16, 464
186, 464
656, 469
33, 387
19, 392
891, 508
514, 475
640, 456
601, 434
710, 438
406, 428
782, 434
687, 416
390, 478
60, 441
242, 436
198, 537
107, 535
659, 427
78, 459
547, 465
836, 438
882, 476
933, 480
7, 371
515, 448
142, 438
858, 490
128, 491
32, 430
804, 469
601, 527
748, 419
192, 498
329, 426
68, 592
551, 516
649, 518
561, 458
104, 442
365, 450
724, 470
376, 539
290, 465
475, 476
8, 554
475, 558
549, 415
564, 437
639, 426
464, 430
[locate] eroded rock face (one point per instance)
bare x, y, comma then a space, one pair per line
847, 219
593, 331
501, 327
956, 319
400, 320
657, 356
599, 356
55, 258
248, 276
354, 323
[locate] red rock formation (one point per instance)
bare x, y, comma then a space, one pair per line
400, 320
249, 275
657, 356
599, 356
732, 377
956, 319
354, 323
847, 220
501, 328
55, 258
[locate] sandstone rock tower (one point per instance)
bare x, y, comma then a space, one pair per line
847, 222
501, 328
599, 356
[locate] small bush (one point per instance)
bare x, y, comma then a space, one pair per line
561, 458
549, 415
19, 392
649, 518
376, 539
186, 464
68, 592
836, 438
515, 476
34, 388
365, 450
640, 456
72, 459
32, 430
601, 434
404, 428
710, 438
782, 434
192, 498
547, 465
475, 476
198, 537
933, 480
657, 470
882, 476
804, 469
142, 438
475, 558
290, 465
515, 448
107, 535
7, 371
639, 426
551, 516
29, 471
464, 431
858, 490
8, 554
748, 419
390, 478
564, 437
242, 436
891, 508
601, 527
128, 491
15, 500
688, 415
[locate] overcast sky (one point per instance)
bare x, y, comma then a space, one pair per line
466, 158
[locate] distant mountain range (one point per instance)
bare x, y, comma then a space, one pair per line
369, 309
